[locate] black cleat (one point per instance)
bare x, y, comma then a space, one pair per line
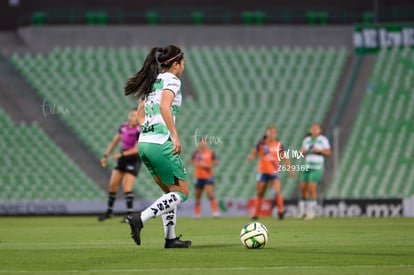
135, 223
177, 243
254, 218
281, 215
105, 216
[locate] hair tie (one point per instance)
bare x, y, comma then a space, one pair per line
172, 58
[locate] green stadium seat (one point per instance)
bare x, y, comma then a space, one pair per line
90, 18
311, 17
259, 17
222, 97
153, 18
382, 122
323, 17
245, 58
25, 178
247, 17
197, 17
38, 18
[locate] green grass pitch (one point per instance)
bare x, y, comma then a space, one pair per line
63, 245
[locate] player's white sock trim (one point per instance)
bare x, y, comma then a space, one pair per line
164, 204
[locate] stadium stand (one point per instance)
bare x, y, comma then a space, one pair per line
377, 160
30, 173
88, 81
296, 86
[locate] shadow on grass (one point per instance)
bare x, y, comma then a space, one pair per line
220, 246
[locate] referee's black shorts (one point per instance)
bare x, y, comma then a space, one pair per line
129, 164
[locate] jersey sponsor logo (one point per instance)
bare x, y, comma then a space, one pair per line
173, 84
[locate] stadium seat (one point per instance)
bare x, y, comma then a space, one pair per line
368, 17
39, 18
311, 17
323, 17
36, 169
247, 17
376, 160
197, 17
259, 17
246, 98
96, 18
153, 18
295, 85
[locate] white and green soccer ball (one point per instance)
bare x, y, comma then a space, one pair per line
254, 235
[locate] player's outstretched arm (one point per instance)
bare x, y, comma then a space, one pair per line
252, 154
132, 151
110, 148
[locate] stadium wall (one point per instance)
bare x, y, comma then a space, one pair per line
44, 38
329, 208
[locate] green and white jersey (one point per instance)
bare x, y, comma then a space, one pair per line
154, 129
315, 161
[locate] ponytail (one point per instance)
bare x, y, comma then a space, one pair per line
140, 84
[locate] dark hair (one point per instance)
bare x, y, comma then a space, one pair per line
158, 58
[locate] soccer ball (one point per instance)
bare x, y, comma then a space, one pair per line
254, 235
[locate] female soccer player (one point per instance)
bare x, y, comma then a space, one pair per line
270, 152
314, 147
128, 164
204, 159
158, 86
